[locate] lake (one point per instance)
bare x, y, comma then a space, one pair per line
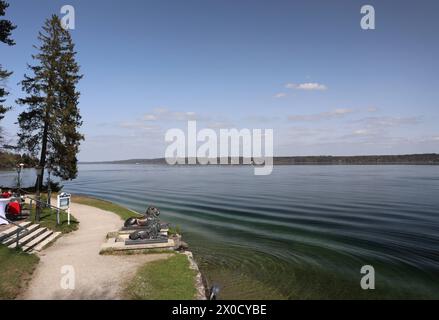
303, 232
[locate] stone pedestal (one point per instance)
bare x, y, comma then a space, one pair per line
119, 241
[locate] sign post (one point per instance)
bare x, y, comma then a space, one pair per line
64, 204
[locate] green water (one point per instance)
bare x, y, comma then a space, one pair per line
303, 232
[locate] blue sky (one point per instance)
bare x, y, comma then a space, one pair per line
303, 68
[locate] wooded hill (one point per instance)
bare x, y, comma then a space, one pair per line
418, 159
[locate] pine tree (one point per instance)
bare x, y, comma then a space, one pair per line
50, 124
6, 27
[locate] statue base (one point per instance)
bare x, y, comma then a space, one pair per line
119, 241
145, 241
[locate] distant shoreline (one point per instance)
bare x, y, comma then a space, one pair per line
409, 159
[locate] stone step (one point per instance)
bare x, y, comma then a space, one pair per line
28, 237
28, 246
45, 242
13, 238
13, 230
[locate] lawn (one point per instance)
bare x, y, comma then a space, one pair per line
169, 279
48, 220
16, 270
122, 212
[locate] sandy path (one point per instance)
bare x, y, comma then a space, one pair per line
96, 276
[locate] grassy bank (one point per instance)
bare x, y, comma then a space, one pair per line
16, 270
48, 220
122, 212
169, 279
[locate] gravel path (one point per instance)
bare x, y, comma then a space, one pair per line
96, 276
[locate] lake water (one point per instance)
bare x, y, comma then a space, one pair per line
303, 232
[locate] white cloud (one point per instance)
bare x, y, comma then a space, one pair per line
280, 95
219, 125
149, 117
308, 86
168, 115
261, 118
161, 110
361, 132
378, 130
138, 125
336, 113
385, 122
372, 109
181, 116
341, 111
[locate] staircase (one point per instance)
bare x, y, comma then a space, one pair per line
32, 239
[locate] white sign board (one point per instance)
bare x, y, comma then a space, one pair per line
64, 203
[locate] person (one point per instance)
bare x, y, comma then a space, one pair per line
13, 210
6, 194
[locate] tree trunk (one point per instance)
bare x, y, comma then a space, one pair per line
42, 162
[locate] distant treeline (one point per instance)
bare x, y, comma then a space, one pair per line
9, 160
419, 159
430, 158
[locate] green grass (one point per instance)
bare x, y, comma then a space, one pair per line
169, 279
16, 268
48, 220
122, 212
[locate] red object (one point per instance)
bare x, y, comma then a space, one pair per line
6, 194
14, 208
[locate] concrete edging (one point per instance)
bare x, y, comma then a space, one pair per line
199, 285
